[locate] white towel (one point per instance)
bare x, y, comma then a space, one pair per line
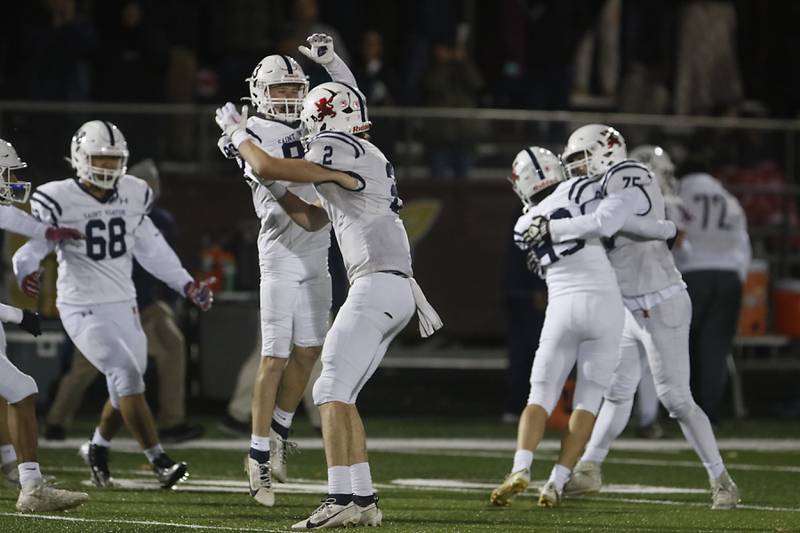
429, 320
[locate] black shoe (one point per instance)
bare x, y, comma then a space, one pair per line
168, 472
231, 426
180, 433
53, 432
96, 458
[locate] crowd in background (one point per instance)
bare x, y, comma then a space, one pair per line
657, 56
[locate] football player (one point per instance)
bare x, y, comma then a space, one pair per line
96, 297
18, 441
358, 195
295, 284
658, 308
582, 325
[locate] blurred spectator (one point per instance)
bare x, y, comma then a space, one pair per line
375, 79
452, 80
58, 48
526, 300
707, 77
714, 266
133, 59
599, 53
165, 344
305, 21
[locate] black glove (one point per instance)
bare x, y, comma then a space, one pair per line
31, 323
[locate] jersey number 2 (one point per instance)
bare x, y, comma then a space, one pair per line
98, 246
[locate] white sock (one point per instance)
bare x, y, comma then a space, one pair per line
361, 479
559, 475
697, 430
339, 480
153, 453
7, 454
611, 421
259, 443
282, 417
29, 475
98, 439
522, 459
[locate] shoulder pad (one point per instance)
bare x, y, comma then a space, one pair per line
138, 189
626, 174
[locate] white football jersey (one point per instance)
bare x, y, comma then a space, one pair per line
716, 227
369, 231
577, 265
98, 269
279, 236
642, 266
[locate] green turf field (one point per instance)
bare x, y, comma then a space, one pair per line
440, 481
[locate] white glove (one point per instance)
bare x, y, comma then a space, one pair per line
537, 232
232, 123
429, 320
227, 148
321, 50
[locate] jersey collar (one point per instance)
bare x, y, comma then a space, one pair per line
106, 200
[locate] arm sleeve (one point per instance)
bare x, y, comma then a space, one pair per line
9, 313
18, 221
607, 219
29, 256
339, 71
156, 256
649, 229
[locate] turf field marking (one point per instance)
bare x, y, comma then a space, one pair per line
135, 522
682, 504
473, 486
398, 444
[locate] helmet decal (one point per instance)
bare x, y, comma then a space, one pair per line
325, 107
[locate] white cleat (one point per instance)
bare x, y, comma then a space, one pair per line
513, 484
330, 514
44, 498
258, 474
585, 478
724, 492
549, 496
279, 451
10, 475
371, 515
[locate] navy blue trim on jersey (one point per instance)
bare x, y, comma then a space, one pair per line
628, 163
107, 199
572, 187
288, 63
110, 132
147, 204
582, 188
251, 133
49, 209
361, 180
649, 201
361, 101
50, 199
536, 164
358, 150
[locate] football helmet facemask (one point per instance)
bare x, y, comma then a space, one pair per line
275, 71
99, 154
12, 190
592, 149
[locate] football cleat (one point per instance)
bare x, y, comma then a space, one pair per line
585, 478
724, 492
10, 475
513, 484
279, 451
44, 498
96, 458
168, 472
331, 514
549, 496
371, 515
260, 478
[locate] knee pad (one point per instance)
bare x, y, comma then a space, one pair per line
327, 389
125, 381
544, 394
679, 404
588, 396
23, 386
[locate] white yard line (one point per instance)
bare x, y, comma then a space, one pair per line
137, 522
684, 504
400, 444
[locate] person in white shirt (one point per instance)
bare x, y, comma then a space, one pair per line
358, 196
295, 285
96, 296
18, 441
714, 267
658, 309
